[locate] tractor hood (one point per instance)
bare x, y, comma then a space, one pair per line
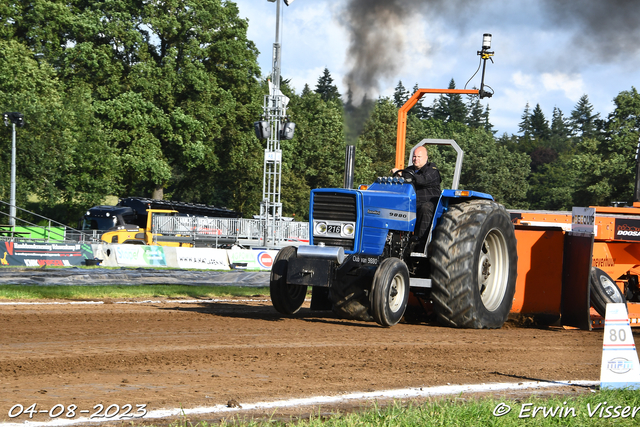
360, 220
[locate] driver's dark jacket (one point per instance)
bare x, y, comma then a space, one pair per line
427, 183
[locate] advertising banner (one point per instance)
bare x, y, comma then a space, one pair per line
627, 229
140, 256
41, 254
202, 258
252, 259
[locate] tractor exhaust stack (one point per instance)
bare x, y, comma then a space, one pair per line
349, 165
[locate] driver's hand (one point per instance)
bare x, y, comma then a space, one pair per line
394, 170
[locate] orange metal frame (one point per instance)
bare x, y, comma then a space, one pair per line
404, 110
539, 282
615, 257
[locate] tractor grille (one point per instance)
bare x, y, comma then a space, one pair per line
334, 207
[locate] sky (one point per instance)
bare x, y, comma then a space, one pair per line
547, 52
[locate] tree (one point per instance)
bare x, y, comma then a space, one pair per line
551, 186
450, 107
525, 127
488, 166
542, 155
623, 136
325, 87
476, 116
583, 122
597, 170
400, 95
60, 157
527, 141
559, 139
539, 125
375, 150
418, 110
493, 169
169, 88
488, 126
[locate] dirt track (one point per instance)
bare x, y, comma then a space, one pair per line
170, 355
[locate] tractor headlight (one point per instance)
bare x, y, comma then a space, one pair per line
320, 228
348, 229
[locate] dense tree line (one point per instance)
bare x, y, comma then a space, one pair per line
130, 98
582, 159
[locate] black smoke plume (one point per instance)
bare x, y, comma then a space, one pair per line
600, 31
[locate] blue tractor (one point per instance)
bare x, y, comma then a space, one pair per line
361, 265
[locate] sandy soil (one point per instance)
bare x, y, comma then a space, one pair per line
169, 355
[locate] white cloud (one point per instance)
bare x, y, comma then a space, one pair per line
571, 84
523, 81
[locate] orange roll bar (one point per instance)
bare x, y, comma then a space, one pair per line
402, 117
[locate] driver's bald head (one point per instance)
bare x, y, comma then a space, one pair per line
420, 157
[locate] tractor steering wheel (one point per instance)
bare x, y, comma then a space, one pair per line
407, 174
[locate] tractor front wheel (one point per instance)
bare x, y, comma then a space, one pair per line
286, 298
390, 292
474, 264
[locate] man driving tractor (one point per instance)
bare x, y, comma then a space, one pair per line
427, 186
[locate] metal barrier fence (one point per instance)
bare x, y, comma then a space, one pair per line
243, 231
240, 229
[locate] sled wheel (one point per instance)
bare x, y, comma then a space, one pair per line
603, 290
474, 263
286, 298
390, 292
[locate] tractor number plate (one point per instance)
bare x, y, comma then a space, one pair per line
336, 229
310, 272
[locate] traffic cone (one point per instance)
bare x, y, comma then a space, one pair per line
620, 367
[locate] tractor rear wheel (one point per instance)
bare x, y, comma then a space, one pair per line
390, 292
603, 290
474, 263
286, 298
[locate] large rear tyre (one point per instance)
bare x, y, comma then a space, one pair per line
390, 292
474, 265
286, 298
603, 290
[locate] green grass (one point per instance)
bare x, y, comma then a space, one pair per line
26, 292
466, 410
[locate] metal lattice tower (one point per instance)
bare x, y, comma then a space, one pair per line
274, 112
